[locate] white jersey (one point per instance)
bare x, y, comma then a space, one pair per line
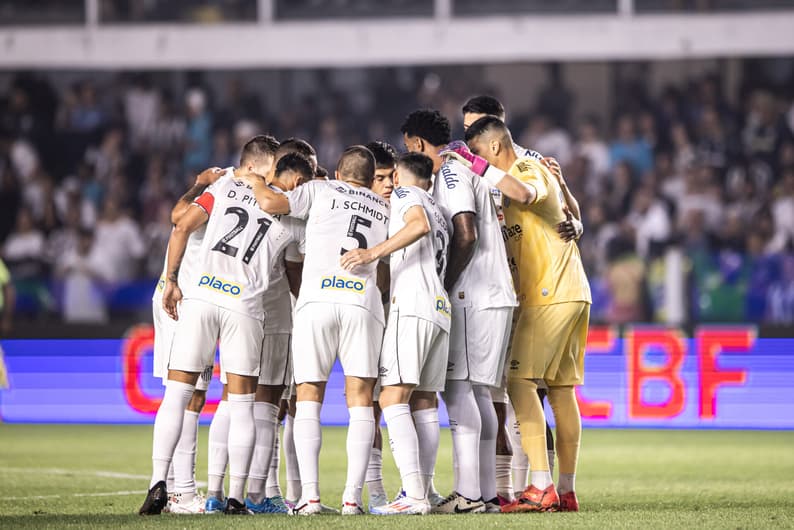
189, 260
278, 297
486, 280
498, 198
339, 217
417, 271
239, 249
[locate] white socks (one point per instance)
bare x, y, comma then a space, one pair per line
374, 477
520, 461
308, 440
465, 427
168, 427
566, 483
360, 433
272, 488
265, 415
242, 435
428, 435
405, 447
218, 452
504, 481
540, 479
293, 473
488, 432
184, 462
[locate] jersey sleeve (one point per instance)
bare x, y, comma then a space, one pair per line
402, 200
528, 172
5, 276
457, 188
301, 199
297, 247
206, 201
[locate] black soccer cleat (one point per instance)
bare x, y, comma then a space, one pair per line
155, 501
235, 507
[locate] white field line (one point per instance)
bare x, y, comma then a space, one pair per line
81, 473
106, 494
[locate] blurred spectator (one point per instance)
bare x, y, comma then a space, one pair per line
82, 271
650, 220
593, 147
120, 241
156, 234
628, 147
141, 110
626, 281
23, 251
547, 138
198, 134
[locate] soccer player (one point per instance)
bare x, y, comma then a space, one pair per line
383, 185
481, 293
474, 109
551, 332
291, 170
414, 356
340, 315
181, 483
223, 304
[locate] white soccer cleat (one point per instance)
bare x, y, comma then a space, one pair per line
352, 508
457, 503
182, 506
310, 507
404, 506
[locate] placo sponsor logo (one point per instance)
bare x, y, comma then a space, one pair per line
340, 283
218, 284
443, 307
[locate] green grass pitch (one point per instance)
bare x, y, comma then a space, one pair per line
59, 476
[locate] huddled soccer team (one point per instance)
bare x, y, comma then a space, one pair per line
449, 270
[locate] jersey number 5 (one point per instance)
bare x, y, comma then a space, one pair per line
242, 221
352, 231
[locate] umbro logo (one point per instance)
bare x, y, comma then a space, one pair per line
450, 366
383, 371
514, 364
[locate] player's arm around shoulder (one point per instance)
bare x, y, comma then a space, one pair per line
204, 179
268, 200
416, 226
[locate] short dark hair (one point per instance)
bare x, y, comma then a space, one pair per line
321, 173
259, 146
357, 163
296, 145
484, 124
295, 162
419, 164
429, 125
484, 105
384, 154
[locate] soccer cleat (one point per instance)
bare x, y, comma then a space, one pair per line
569, 502
327, 510
457, 503
235, 507
276, 505
181, 506
256, 508
156, 500
214, 505
376, 501
403, 506
310, 507
535, 500
352, 508
493, 506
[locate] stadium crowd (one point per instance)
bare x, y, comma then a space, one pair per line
88, 174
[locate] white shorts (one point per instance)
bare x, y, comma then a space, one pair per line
202, 325
164, 328
478, 344
274, 364
324, 331
414, 352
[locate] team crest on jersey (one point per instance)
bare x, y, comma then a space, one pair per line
442, 306
220, 285
340, 283
161, 283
